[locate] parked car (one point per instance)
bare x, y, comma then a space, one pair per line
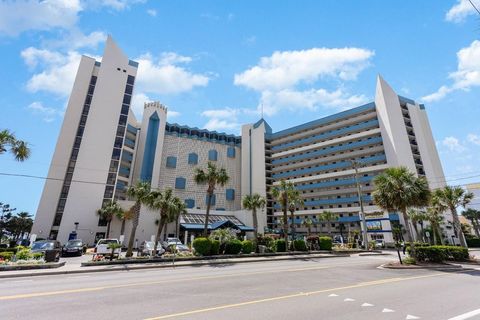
102, 247
146, 248
180, 247
171, 241
50, 248
73, 247
379, 244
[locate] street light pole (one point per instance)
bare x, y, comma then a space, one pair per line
360, 200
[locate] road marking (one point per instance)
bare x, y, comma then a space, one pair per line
366, 304
332, 295
385, 310
467, 315
295, 295
348, 299
410, 317
148, 283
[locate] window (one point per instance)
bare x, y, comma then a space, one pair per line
129, 89
230, 194
180, 183
212, 155
127, 99
171, 162
130, 79
192, 158
231, 152
212, 200
189, 203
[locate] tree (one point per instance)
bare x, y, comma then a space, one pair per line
124, 215
308, 222
398, 189
139, 193
328, 217
282, 194
18, 148
435, 218
416, 217
453, 197
474, 217
212, 176
294, 201
254, 202
113, 246
108, 211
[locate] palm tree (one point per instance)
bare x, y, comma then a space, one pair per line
295, 200
139, 193
212, 177
328, 217
308, 222
474, 217
398, 189
452, 197
434, 217
124, 215
179, 208
282, 194
165, 203
416, 217
254, 202
18, 148
108, 211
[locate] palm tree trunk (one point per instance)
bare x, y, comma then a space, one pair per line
122, 229
475, 227
136, 217
292, 226
458, 227
255, 227
329, 228
434, 231
161, 223
207, 214
422, 230
415, 227
409, 232
108, 228
285, 220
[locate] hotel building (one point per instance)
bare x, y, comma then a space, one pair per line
102, 149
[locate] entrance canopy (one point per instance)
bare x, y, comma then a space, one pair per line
196, 222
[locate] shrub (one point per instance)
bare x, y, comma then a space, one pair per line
23, 253
247, 246
202, 246
312, 242
215, 247
233, 247
473, 242
268, 242
440, 253
5, 255
325, 243
299, 245
280, 245
12, 250
38, 255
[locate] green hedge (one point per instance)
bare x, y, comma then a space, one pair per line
440, 253
12, 250
202, 246
233, 247
325, 243
299, 245
247, 246
215, 247
473, 242
5, 255
280, 245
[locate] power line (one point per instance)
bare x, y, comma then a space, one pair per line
475, 7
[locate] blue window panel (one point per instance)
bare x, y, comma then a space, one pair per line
124, 171
333, 183
150, 147
345, 146
180, 183
133, 63
230, 194
212, 155
129, 143
190, 203
220, 209
338, 165
132, 129
192, 158
231, 152
213, 200
332, 201
121, 185
171, 162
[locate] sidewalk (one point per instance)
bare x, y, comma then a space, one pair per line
75, 268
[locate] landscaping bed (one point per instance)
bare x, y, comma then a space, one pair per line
31, 266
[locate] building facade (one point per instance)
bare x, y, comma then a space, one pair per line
102, 149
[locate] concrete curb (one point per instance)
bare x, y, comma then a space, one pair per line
424, 267
164, 265
20, 267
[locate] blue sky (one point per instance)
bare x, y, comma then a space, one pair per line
213, 63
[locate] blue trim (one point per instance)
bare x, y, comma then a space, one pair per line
349, 218
333, 183
98, 63
331, 201
422, 106
178, 130
230, 194
212, 155
318, 122
133, 63
124, 171
171, 162
394, 216
406, 100
192, 158
129, 143
328, 134
338, 165
231, 152
189, 203
213, 200
268, 129
180, 183
132, 129
121, 185
150, 147
378, 231
328, 150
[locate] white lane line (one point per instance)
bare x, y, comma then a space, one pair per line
366, 304
332, 295
385, 310
467, 315
77, 277
21, 281
348, 300
410, 317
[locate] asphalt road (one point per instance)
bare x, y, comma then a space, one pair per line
337, 288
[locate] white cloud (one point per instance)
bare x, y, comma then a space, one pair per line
48, 114
75, 39
164, 76
113, 4
473, 138
138, 101
461, 10
453, 144
226, 118
152, 12
221, 125
19, 16
466, 76
288, 68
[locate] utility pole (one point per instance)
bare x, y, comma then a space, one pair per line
355, 165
